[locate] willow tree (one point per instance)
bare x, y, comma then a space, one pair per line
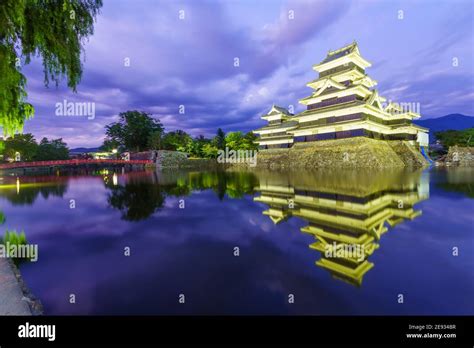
54, 30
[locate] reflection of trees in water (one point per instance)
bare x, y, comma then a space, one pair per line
347, 211
27, 189
232, 184
464, 188
138, 197
136, 200
459, 180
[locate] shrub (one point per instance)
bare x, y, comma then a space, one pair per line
13, 238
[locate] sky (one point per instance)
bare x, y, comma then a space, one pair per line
201, 65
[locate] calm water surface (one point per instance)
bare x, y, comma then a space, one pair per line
183, 230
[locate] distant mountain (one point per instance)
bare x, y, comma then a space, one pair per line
84, 149
452, 121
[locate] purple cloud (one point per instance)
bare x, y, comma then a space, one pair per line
184, 54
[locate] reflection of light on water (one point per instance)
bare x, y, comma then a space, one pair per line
17, 185
114, 179
105, 175
424, 184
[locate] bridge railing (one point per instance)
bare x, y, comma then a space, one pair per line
73, 162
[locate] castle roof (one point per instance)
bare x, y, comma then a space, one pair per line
278, 109
341, 52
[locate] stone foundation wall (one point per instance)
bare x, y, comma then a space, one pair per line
343, 153
460, 156
176, 159
409, 154
348, 153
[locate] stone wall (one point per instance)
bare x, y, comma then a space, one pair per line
357, 152
410, 155
460, 156
176, 159
170, 159
348, 153
15, 297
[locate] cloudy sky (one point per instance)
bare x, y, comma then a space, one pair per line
421, 51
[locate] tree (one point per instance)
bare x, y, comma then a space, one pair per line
456, 137
52, 150
133, 130
154, 141
249, 142
198, 146
53, 30
2, 147
233, 140
238, 141
219, 139
109, 145
209, 150
177, 141
25, 144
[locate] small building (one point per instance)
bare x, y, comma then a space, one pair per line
277, 133
343, 105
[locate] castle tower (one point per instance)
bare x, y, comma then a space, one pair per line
276, 133
344, 104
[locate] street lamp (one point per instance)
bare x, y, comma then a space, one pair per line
114, 151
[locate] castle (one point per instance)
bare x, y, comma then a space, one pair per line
342, 105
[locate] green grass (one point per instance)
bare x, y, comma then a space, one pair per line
14, 238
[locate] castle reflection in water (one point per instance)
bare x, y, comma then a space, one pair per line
347, 214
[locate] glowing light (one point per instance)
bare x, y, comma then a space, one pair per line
115, 179
114, 150
17, 185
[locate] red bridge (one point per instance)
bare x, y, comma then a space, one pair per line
73, 162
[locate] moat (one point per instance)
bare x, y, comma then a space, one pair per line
247, 242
